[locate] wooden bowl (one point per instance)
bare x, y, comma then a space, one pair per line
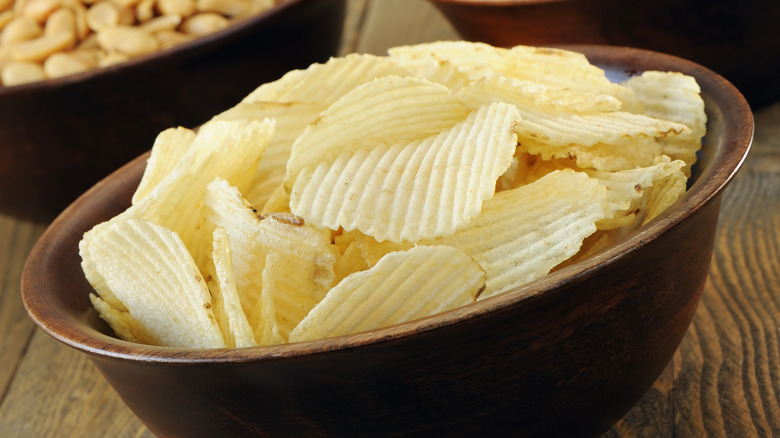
567, 355
61, 136
739, 41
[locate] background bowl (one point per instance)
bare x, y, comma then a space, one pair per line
58, 137
567, 355
740, 41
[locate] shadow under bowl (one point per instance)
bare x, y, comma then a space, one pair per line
59, 137
739, 41
567, 355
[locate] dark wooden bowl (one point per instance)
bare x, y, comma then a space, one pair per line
740, 41
61, 136
568, 360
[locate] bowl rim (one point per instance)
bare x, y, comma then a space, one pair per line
709, 184
179, 51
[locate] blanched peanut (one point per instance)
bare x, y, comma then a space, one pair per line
41, 48
87, 56
228, 8
183, 8
20, 29
39, 10
102, 16
63, 20
63, 64
204, 23
128, 40
112, 58
170, 38
17, 73
144, 10
163, 22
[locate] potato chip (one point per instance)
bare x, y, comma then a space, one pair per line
561, 128
148, 268
626, 189
340, 74
123, 324
227, 149
422, 65
169, 148
523, 233
290, 119
534, 94
387, 110
559, 69
676, 97
527, 168
411, 191
226, 303
305, 269
664, 192
403, 286
266, 326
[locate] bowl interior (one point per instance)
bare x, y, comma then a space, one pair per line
55, 291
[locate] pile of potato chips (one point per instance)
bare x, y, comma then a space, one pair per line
373, 190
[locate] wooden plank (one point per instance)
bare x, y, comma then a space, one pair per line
392, 23
58, 392
356, 11
725, 377
16, 239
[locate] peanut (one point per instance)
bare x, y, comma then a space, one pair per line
63, 64
163, 22
130, 41
20, 29
204, 23
39, 10
39, 49
17, 73
62, 20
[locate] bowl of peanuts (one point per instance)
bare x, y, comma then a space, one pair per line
87, 85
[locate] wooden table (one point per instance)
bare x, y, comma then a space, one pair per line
724, 379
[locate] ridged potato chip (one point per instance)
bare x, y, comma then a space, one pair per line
123, 324
525, 232
148, 268
290, 119
676, 97
226, 303
535, 94
304, 270
227, 149
626, 190
559, 69
411, 191
385, 111
169, 148
340, 74
403, 286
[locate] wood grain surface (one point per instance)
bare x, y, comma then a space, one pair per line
724, 380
